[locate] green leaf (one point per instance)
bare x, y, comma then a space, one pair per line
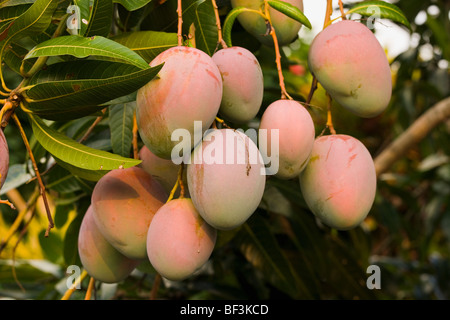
51, 246
79, 173
201, 13
148, 44
14, 57
61, 181
17, 176
83, 18
70, 246
11, 3
9, 14
101, 18
132, 5
291, 11
229, 21
82, 47
121, 126
261, 248
380, 10
69, 90
33, 21
74, 153
131, 20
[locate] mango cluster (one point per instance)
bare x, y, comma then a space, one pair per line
131, 219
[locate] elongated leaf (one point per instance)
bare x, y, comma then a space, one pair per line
9, 14
14, 57
11, 3
82, 47
201, 13
130, 20
17, 176
100, 21
291, 11
260, 247
69, 90
148, 44
80, 173
70, 247
74, 153
33, 21
81, 15
132, 5
62, 181
380, 10
121, 126
229, 21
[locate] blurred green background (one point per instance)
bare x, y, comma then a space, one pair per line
283, 252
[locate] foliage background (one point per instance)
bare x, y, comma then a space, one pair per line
282, 252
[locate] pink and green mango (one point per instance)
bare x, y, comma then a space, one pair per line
243, 84
226, 178
286, 28
349, 62
98, 257
179, 241
4, 158
296, 135
124, 202
339, 183
188, 88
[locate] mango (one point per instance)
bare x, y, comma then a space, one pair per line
188, 88
226, 178
98, 257
296, 136
243, 84
179, 241
163, 170
339, 183
286, 28
349, 62
4, 158
124, 202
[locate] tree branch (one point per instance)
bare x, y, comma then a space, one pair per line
413, 135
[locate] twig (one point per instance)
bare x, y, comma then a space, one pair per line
135, 137
74, 286
180, 181
435, 115
89, 289
341, 7
93, 125
220, 40
180, 23
328, 13
312, 90
329, 118
222, 122
155, 287
284, 94
10, 204
41, 183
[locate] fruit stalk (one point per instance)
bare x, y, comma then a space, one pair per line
180, 23
341, 7
284, 94
220, 40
